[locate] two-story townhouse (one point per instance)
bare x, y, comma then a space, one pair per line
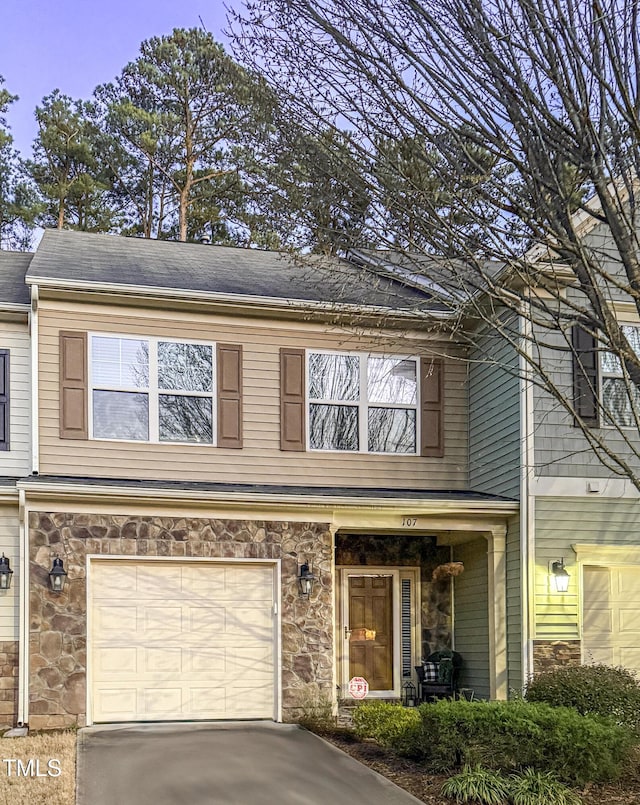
15, 459
579, 512
213, 423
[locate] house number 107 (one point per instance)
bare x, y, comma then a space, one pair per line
409, 522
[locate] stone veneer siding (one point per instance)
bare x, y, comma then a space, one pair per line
58, 622
550, 654
8, 682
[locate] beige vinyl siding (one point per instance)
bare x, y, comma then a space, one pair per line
514, 606
260, 460
10, 546
471, 616
561, 522
16, 461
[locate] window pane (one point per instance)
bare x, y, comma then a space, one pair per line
392, 430
392, 380
120, 362
185, 367
185, 419
615, 399
334, 377
609, 362
333, 427
120, 415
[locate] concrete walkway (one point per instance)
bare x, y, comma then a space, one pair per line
239, 763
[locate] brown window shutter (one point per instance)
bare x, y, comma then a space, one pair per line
4, 400
74, 386
229, 373
585, 376
432, 407
292, 399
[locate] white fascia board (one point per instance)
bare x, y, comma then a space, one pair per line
271, 499
594, 487
235, 300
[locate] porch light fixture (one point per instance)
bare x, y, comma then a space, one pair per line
409, 694
306, 579
560, 576
5, 573
57, 575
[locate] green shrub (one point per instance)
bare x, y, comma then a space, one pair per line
477, 785
540, 788
390, 725
514, 735
591, 689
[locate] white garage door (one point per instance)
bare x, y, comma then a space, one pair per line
181, 640
611, 616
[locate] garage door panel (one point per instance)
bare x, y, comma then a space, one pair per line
163, 701
250, 698
162, 660
204, 660
116, 659
116, 704
196, 655
611, 616
115, 583
152, 582
162, 619
203, 582
630, 657
211, 700
116, 619
629, 621
204, 618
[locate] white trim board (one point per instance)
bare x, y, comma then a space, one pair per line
563, 487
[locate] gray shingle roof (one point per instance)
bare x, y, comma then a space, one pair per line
13, 266
462, 495
87, 258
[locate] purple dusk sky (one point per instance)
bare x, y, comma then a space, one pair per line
74, 45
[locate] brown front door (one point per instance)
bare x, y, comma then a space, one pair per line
371, 630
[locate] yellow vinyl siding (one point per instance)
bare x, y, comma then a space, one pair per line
260, 460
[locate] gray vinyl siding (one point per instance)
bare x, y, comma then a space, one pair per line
471, 617
514, 607
494, 417
561, 522
560, 448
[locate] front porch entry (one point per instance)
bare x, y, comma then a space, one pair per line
380, 630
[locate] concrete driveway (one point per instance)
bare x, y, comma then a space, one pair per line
239, 763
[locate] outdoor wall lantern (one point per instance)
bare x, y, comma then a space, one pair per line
560, 576
5, 573
306, 579
409, 693
57, 575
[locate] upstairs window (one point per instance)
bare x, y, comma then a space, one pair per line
362, 403
615, 389
147, 389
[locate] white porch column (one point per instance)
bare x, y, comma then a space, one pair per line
497, 577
